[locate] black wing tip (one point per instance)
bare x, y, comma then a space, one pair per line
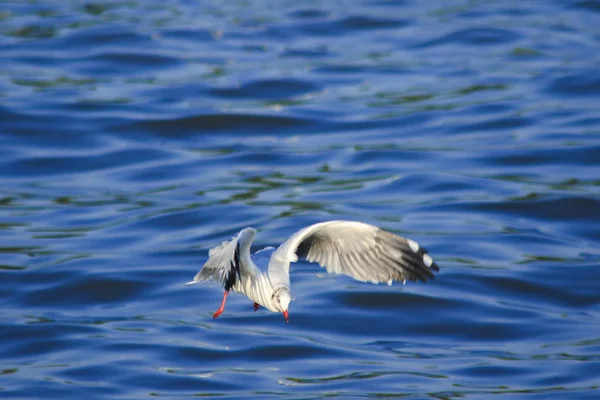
236, 259
230, 281
234, 270
427, 265
417, 265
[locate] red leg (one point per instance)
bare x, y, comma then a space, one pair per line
222, 308
256, 306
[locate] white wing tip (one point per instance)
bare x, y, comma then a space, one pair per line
427, 260
414, 246
191, 283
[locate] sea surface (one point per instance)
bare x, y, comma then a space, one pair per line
136, 135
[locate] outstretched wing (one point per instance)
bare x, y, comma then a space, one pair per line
227, 261
364, 252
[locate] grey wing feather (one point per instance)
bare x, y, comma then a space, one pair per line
226, 260
364, 252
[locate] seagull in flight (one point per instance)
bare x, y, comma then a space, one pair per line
364, 252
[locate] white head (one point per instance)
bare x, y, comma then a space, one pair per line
281, 299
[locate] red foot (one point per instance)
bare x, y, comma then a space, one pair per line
256, 306
222, 308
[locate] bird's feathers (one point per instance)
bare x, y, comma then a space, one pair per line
226, 261
362, 251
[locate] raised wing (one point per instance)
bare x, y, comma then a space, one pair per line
227, 261
364, 252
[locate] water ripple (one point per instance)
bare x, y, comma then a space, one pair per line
137, 135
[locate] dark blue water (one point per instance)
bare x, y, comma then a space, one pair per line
135, 135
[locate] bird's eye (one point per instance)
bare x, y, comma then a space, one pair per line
278, 300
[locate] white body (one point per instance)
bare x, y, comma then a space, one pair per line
255, 283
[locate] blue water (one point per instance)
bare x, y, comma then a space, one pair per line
136, 135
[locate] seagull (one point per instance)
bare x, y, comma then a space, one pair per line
364, 252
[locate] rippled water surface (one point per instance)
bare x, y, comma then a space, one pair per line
136, 135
